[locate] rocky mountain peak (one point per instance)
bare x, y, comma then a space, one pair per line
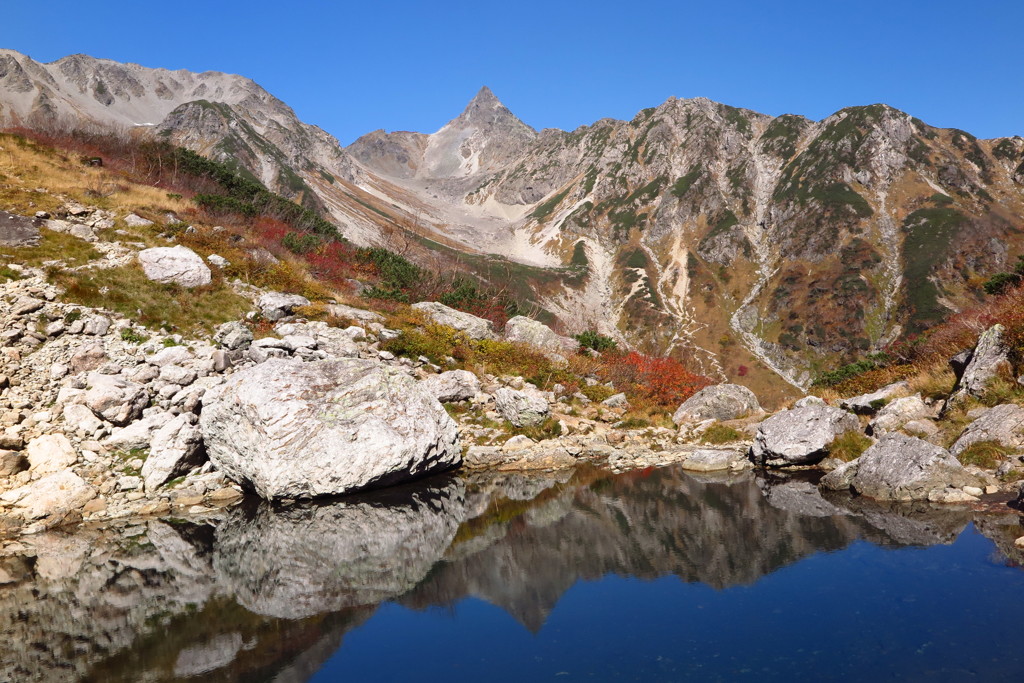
486, 112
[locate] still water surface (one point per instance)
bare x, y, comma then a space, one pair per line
652, 576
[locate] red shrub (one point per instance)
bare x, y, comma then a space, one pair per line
663, 380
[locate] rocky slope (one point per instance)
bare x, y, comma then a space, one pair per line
760, 246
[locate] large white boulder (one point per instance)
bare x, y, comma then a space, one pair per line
520, 408
55, 494
800, 436
178, 265
290, 429
718, 402
50, 453
275, 305
529, 331
114, 398
901, 467
475, 327
176, 448
454, 385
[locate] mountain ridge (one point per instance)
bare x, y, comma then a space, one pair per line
756, 245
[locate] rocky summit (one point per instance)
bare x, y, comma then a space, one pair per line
756, 246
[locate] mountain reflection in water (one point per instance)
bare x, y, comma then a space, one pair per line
264, 594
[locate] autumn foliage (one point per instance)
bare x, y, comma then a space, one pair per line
664, 381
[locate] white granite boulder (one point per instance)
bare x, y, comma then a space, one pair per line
178, 265
290, 429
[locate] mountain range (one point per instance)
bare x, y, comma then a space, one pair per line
757, 246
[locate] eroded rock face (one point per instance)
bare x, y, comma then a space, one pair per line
114, 398
290, 429
1003, 424
990, 358
475, 327
326, 558
799, 436
719, 402
869, 404
454, 385
520, 408
898, 413
274, 305
901, 467
178, 265
176, 448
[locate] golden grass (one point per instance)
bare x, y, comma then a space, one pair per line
848, 446
53, 246
26, 165
127, 290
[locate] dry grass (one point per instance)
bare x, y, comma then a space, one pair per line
26, 165
719, 433
849, 446
986, 454
53, 246
170, 308
935, 381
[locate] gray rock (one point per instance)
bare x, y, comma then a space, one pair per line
12, 462
50, 453
869, 404
1003, 424
925, 429
176, 448
289, 429
901, 467
172, 355
96, 325
474, 327
139, 433
54, 495
218, 260
134, 221
233, 335
520, 408
529, 331
26, 304
175, 374
87, 359
898, 413
712, 460
454, 385
616, 401
80, 418
17, 231
989, 359
114, 398
179, 265
799, 436
718, 402
275, 305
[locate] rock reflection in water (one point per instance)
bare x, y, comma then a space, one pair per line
306, 560
265, 594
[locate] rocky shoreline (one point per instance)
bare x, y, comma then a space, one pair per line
103, 420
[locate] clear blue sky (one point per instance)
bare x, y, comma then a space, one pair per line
351, 67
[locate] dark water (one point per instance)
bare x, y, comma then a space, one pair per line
653, 576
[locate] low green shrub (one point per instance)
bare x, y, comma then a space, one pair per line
848, 446
719, 433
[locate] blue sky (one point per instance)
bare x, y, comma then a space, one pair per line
351, 67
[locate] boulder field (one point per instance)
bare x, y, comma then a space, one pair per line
102, 419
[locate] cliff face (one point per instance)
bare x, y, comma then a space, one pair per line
758, 246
